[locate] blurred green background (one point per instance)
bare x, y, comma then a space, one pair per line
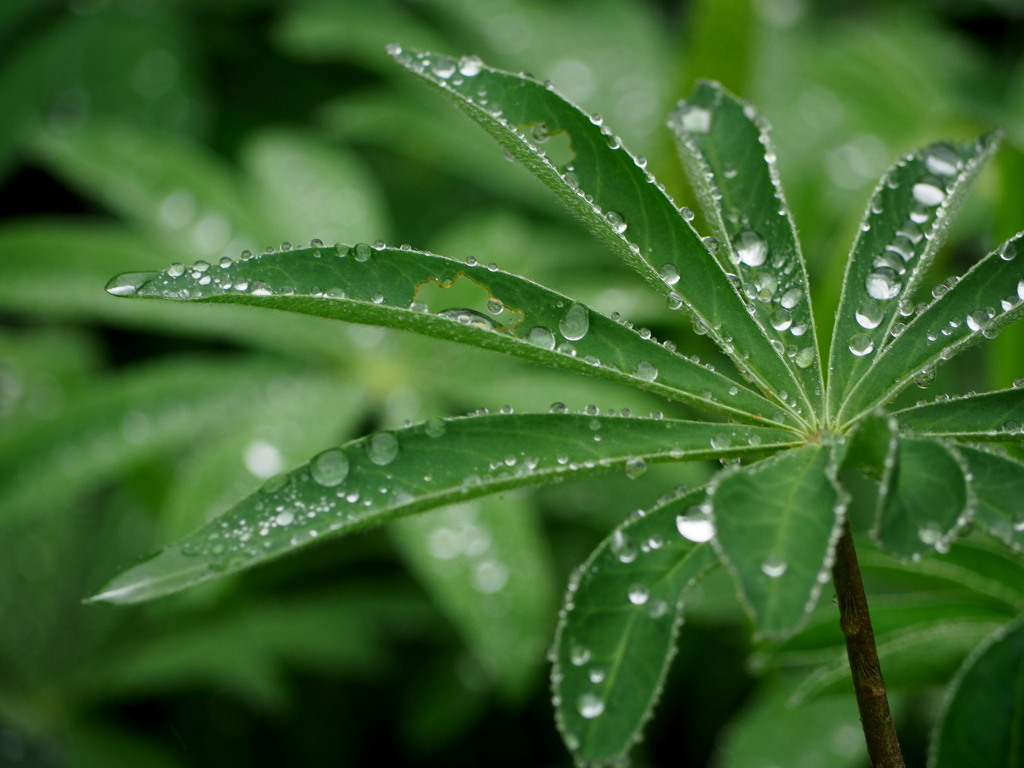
135, 133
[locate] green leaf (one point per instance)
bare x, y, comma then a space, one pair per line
727, 151
996, 482
305, 185
987, 298
872, 444
486, 564
924, 499
777, 522
611, 191
989, 416
982, 722
387, 475
618, 632
118, 423
903, 227
406, 289
176, 192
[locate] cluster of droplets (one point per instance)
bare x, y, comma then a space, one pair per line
460, 537
893, 268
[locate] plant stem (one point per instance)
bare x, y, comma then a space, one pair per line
855, 621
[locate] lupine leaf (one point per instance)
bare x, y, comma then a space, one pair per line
997, 481
776, 527
924, 498
988, 297
389, 475
396, 287
612, 192
982, 723
618, 632
728, 153
905, 224
989, 416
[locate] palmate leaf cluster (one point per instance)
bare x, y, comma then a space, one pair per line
802, 430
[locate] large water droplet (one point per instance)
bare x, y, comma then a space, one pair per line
618, 223
470, 66
669, 274
590, 706
638, 594
883, 284
127, 284
382, 448
695, 526
861, 344
646, 371
751, 249
774, 566
868, 315
791, 298
781, 319
635, 467
330, 468
942, 160
691, 118
579, 654
928, 194
575, 322
541, 337
623, 547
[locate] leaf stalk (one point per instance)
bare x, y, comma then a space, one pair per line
869, 685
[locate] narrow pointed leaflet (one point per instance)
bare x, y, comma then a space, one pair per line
905, 224
406, 289
996, 481
990, 416
725, 146
777, 523
982, 722
618, 632
924, 499
987, 298
611, 191
392, 474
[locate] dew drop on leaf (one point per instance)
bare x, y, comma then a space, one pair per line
695, 526
692, 119
623, 547
928, 194
540, 336
868, 315
774, 566
882, 284
720, 442
616, 221
861, 344
382, 448
791, 298
751, 249
434, 426
590, 706
635, 467
575, 322
638, 594
781, 319
942, 160
579, 654
646, 371
669, 274
330, 468
470, 66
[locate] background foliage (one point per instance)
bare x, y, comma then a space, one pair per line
141, 133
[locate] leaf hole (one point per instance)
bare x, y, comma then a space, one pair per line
465, 293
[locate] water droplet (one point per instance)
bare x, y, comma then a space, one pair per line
434, 427
635, 467
861, 344
470, 66
751, 249
646, 371
443, 66
623, 547
579, 654
330, 468
883, 284
686, 213
711, 244
285, 517
465, 316
1020, 290
781, 319
804, 357
575, 322
695, 525
589, 706
382, 448
616, 221
669, 274
596, 675
773, 567
928, 194
638, 594
868, 315
977, 320
691, 118
541, 337
720, 442
126, 284
791, 298
942, 160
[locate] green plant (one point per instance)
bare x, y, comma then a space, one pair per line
803, 450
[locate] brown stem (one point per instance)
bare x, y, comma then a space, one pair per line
855, 621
